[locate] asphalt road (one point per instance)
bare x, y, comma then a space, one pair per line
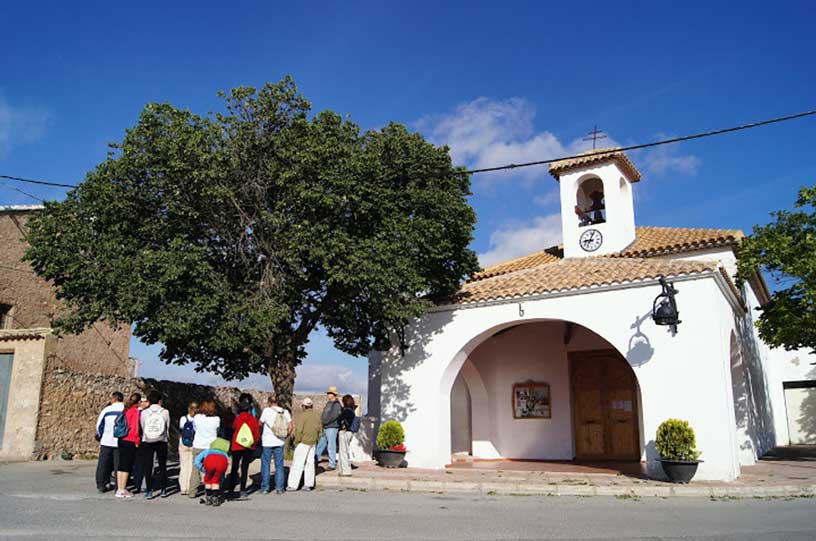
58, 500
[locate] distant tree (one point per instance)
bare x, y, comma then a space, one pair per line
786, 248
230, 237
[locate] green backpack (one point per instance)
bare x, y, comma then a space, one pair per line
244, 438
220, 444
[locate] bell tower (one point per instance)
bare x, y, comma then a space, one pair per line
597, 210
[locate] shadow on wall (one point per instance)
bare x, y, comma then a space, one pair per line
389, 395
640, 350
653, 468
752, 407
807, 413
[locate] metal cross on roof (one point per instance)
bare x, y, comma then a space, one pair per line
594, 135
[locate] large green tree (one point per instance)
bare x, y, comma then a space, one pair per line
230, 237
786, 248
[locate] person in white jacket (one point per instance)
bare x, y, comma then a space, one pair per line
155, 421
108, 445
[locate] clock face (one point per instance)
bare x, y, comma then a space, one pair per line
591, 240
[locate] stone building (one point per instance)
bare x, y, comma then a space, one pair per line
28, 345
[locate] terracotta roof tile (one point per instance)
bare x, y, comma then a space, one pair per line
572, 274
649, 242
597, 156
550, 255
653, 241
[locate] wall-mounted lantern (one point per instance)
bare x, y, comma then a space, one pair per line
664, 308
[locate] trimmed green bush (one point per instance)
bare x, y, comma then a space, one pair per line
675, 441
390, 435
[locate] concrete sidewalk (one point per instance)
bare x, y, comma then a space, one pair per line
769, 478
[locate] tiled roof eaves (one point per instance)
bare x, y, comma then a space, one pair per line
606, 286
677, 248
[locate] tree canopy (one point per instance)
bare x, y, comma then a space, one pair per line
786, 248
230, 237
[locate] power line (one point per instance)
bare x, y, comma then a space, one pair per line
551, 160
3, 184
43, 182
645, 145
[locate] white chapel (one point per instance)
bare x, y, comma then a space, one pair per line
574, 326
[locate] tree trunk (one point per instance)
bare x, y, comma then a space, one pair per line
283, 380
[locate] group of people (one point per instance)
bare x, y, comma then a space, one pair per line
133, 434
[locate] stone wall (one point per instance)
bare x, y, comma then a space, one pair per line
71, 402
33, 301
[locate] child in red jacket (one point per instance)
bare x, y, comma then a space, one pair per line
246, 437
213, 463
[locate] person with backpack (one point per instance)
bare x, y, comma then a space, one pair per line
306, 434
277, 425
185, 446
349, 424
155, 421
206, 424
329, 418
108, 444
213, 462
126, 429
137, 476
246, 435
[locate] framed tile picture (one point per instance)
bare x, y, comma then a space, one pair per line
531, 401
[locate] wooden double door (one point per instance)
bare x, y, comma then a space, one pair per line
604, 406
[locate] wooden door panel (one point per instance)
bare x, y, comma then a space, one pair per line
604, 406
589, 422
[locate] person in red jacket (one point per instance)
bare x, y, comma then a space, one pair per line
128, 445
243, 446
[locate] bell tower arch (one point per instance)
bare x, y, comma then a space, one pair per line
597, 210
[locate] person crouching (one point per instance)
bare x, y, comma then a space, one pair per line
213, 462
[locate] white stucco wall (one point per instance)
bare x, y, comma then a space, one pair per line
529, 352
686, 375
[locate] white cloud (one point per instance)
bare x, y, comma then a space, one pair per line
516, 240
553, 197
488, 133
318, 377
311, 377
667, 159
20, 125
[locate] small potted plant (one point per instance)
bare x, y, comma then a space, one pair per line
390, 444
677, 446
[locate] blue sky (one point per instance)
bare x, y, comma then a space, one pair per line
499, 82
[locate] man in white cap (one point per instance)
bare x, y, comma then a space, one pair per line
331, 426
306, 434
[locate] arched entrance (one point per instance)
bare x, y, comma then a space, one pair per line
586, 395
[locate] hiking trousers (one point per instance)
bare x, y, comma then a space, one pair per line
344, 457
303, 463
185, 467
241, 459
195, 476
147, 451
107, 464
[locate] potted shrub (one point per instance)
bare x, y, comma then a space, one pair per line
391, 444
677, 446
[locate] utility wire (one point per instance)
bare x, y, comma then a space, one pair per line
544, 162
645, 145
10, 187
43, 182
